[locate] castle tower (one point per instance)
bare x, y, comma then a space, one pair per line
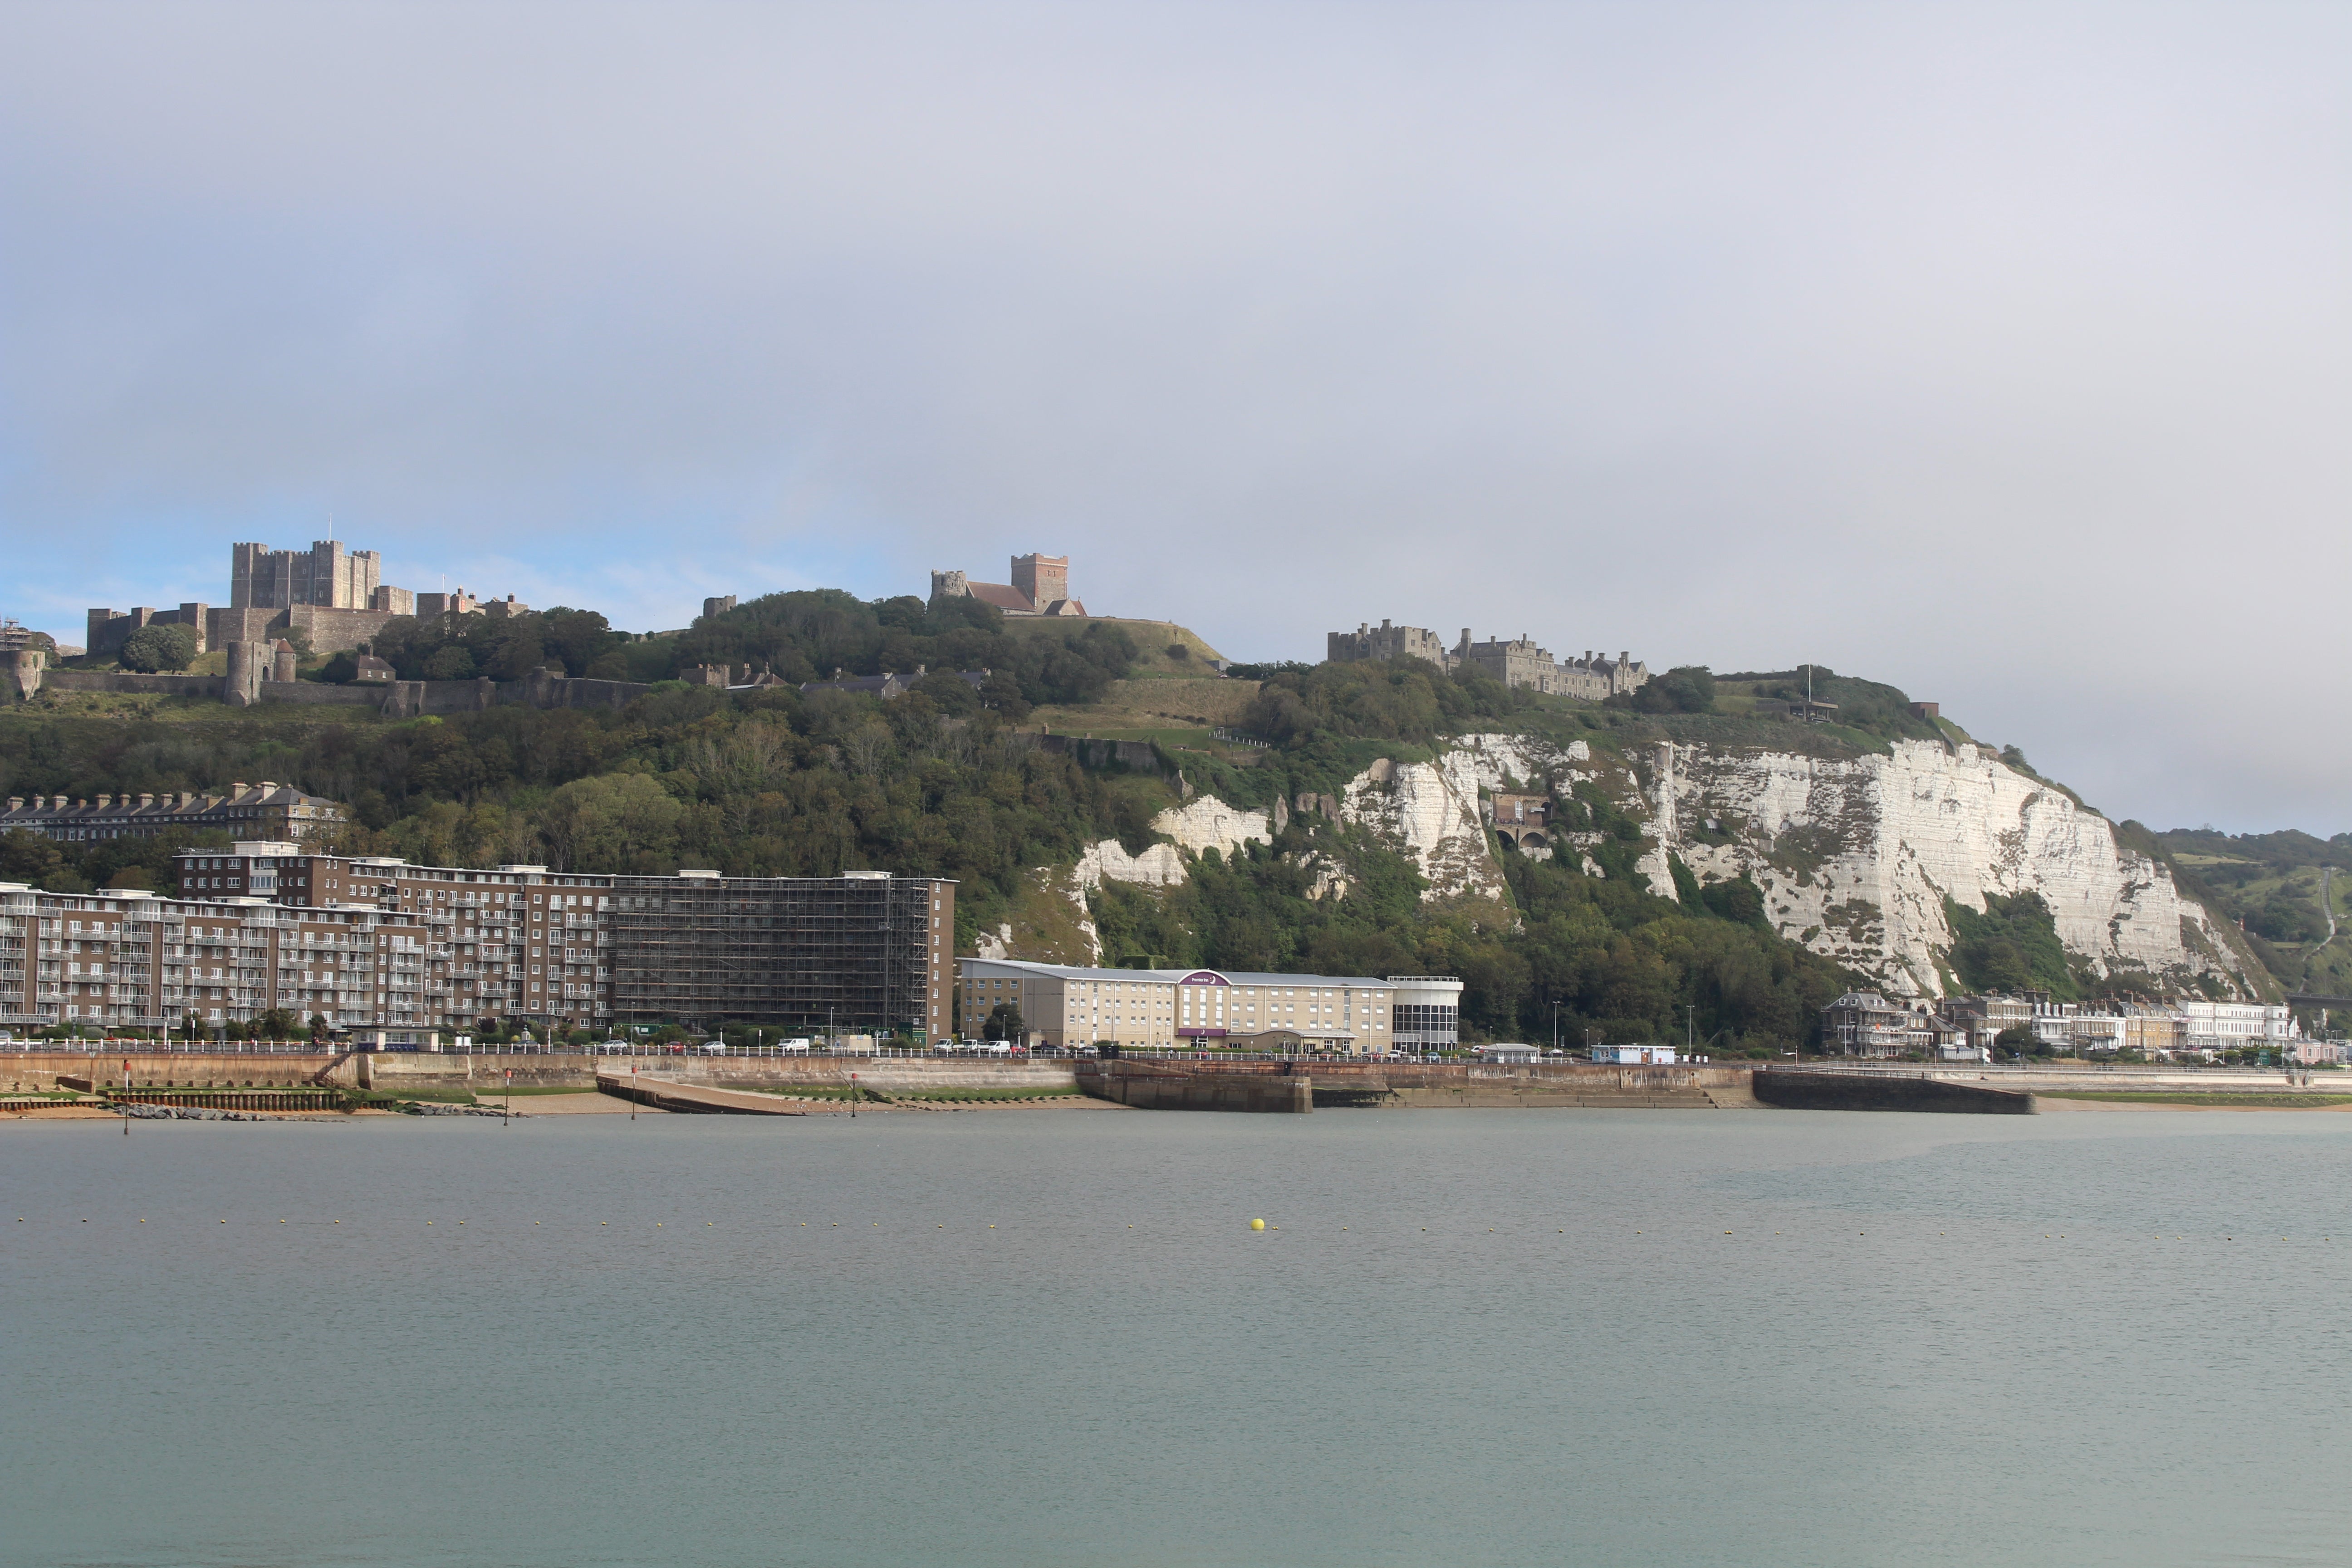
1042, 578
248, 667
949, 585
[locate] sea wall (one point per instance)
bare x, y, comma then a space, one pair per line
484, 1072
1797, 1089
28, 1071
1155, 1085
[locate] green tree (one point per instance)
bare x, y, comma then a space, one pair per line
159, 647
618, 821
454, 662
1004, 1023
1686, 688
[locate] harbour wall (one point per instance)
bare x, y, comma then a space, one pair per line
1794, 1089
485, 1072
1195, 1086
25, 1071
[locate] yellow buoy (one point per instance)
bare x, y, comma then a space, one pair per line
1257, 1225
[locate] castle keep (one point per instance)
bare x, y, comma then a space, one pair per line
334, 598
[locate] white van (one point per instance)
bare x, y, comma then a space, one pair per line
798, 1047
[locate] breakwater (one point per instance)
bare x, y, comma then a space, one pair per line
1186, 1084
1801, 1089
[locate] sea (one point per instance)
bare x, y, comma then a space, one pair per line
1039, 1338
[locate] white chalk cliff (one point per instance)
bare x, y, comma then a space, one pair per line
1856, 855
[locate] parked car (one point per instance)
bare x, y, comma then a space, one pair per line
714, 1047
613, 1047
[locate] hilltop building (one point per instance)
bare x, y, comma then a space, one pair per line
267, 809
1386, 642
332, 596
1040, 586
1519, 662
325, 575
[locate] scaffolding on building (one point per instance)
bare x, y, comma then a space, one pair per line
805, 953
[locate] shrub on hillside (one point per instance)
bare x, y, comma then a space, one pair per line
153, 648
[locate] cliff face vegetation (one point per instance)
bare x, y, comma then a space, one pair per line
1719, 873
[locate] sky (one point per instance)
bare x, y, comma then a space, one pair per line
1996, 352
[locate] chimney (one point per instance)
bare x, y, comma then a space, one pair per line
16, 803
236, 789
145, 800
105, 802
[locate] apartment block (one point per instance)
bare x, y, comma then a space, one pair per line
130, 958
866, 951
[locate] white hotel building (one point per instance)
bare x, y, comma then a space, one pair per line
1063, 1006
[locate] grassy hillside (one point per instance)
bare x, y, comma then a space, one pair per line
942, 782
2284, 887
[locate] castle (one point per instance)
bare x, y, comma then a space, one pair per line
336, 598
1519, 662
1040, 586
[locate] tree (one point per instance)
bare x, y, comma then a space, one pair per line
617, 820
159, 647
1686, 688
2020, 1042
1004, 1023
455, 662
28, 857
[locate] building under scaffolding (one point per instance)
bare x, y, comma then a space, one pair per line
866, 951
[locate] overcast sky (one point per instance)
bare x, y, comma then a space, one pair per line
1999, 352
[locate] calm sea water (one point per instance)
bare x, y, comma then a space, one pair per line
1049, 1338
